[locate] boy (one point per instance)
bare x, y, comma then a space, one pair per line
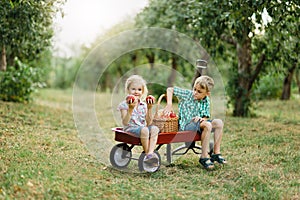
194, 112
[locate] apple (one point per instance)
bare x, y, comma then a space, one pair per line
130, 99
172, 115
150, 99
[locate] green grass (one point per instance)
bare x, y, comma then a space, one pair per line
42, 157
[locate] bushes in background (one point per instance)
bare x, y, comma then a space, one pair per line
19, 82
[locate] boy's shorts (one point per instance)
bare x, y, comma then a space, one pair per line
136, 130
194, 126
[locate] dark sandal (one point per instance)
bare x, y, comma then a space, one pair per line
218, 158
206, 163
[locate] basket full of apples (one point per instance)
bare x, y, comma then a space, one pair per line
165, 123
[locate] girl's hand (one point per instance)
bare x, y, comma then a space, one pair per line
150, 99
131, 101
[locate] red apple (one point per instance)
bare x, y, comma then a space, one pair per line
130, 99
150, 99
172, 115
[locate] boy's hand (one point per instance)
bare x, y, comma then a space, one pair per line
167, 110
196, 119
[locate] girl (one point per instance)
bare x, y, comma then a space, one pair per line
137, 116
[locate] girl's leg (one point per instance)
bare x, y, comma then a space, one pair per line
217, 124
149, 145
153, 138
145, 139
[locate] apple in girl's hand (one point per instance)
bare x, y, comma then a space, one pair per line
130, 99
172, 115
150, 99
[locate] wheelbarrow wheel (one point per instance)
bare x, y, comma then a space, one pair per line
146, 167
120, 156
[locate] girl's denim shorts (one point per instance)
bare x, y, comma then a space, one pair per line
136, 130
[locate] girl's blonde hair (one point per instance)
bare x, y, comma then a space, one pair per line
137, 79
205, 82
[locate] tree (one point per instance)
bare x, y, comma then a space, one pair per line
221, 26
159, 14
25, 29
286, 91
298, 79
288, 48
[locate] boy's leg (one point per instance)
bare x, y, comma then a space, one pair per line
204, 160
205, 137
205, 129
217, 124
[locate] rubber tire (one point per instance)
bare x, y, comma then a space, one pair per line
120, 156
145, 167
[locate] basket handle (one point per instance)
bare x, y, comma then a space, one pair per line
158, 104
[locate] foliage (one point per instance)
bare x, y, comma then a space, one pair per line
43, 158
64, 72
267, 87
26, 28
45, 66
18, 83
285, 44
136, 60
236, 26
133, 60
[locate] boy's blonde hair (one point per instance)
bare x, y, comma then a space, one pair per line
205, 82
137, 79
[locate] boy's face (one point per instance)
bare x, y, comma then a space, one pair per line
199, 93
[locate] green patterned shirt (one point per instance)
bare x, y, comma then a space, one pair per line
189, 107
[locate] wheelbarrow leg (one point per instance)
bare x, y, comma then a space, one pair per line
187, 146
169, 154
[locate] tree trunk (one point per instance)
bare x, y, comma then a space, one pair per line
242, 101
3, 63
298, 79
172, 76
134, 61
151, 59
286, 91
198, 73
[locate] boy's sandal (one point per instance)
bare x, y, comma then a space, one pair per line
206, 163
218, 158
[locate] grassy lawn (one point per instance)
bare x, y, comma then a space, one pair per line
42, 157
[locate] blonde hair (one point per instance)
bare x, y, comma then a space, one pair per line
205, 82
137, 79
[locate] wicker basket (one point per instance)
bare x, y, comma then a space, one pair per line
164, 123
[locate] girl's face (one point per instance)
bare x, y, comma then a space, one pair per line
199, 93
136, 89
